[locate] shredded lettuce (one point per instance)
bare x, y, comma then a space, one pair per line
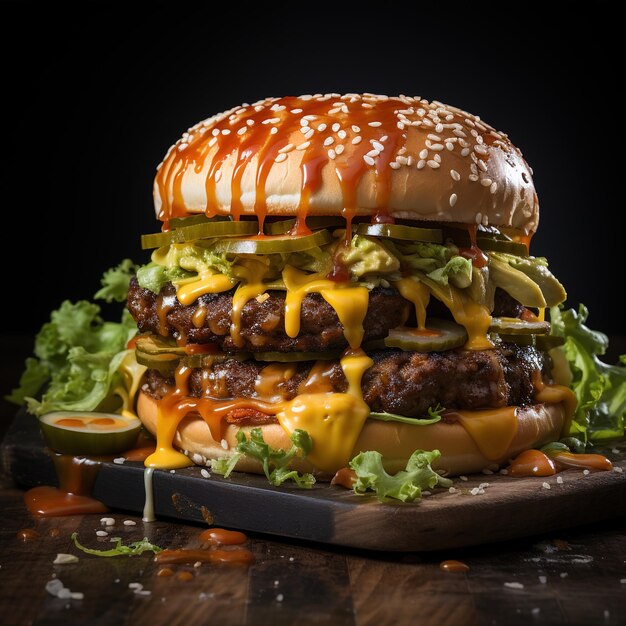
406, 485
458, 271
77, 354
600, 388
274, 461
132, 549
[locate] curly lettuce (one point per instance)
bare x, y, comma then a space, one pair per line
406, 485
78, 354
600, 388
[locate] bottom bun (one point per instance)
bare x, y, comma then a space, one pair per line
396, 441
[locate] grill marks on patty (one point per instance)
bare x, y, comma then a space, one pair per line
263, 323
406, 383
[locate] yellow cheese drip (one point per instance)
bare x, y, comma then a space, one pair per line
165, 457
207, 283
474, 317
492, 430
417, 293
333, 420
553, 394
350, 303
252, 273
541, 314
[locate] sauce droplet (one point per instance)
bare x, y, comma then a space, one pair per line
165, 572
453, 566
27, 534
532, 463
345, 477
597, 462
221, 536
184, 576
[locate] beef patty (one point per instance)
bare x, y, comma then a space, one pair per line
402, 382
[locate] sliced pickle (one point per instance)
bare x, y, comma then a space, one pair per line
547, 342
203, 230
292, 357
520, 340
88, 432
191, 220
502, 245
440, 335
399, 231
516, 326
152, 345
164, 363
280, 244
315, 222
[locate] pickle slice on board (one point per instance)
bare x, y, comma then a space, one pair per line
399, 231
439, 335
280, 244
203, 230
88, 432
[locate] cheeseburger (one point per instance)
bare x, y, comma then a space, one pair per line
356, 267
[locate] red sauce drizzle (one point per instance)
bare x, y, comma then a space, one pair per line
76, 477
240, 555
365, 124
477, 256
221, 536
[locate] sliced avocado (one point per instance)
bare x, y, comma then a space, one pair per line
552, 290
368, 256
516, 283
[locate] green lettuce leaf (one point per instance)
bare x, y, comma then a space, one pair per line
600, 388
274, 461
406, 485
77, 354
115, 282
132, 549
434, 416
458, 271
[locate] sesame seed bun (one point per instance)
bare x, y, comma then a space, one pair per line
536, 425
407, 157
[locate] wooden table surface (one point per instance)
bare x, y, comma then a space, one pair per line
573, 577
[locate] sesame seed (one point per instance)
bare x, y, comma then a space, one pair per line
356, 140
617, 469
334, 110
410, 160
493, 188
586, 472
226, 131
433, 137
486, 182
465, 152
129, 522
559, 480
479, 216
224, 444
463, 478
329, 141
356, 129
424, 154
212, 142
437, 158
305, 129
377, 145
258, 108
303, 146
107, 521
304, 122
119, 460
373, 153
339, 149
487, 471
335, 127
322, 127
204, 473
102, 533
474, 491
455, 175
342, 134
402, 160
480, 149
286, 148
309, 134
215, 132
545, 485
250, 122
280, 158
436, 146
482, 165
374, 124
514, 585
449, 145
332, 154
274, 130
400, 125
394, 165
421, 164
280, 597
368, 159
504, 472
433, 164
543, 579
451, 490
453, 198
242, 130
296, 110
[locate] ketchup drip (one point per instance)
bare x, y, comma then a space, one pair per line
477, 256
354, 136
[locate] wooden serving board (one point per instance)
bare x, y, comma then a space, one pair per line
509, 508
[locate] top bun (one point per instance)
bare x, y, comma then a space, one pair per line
353, 155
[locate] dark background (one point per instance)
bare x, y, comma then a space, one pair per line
94, 96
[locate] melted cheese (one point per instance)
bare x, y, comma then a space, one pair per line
207, 283
492, 430
553, 394
541, 314
165, 457
333, 420
252, 273
417, 293
350, 303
